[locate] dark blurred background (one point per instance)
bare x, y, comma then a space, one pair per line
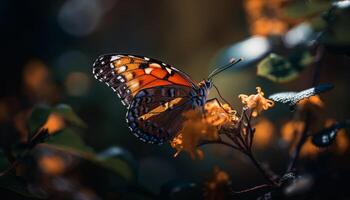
48, 48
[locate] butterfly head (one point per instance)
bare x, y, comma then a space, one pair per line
206, 84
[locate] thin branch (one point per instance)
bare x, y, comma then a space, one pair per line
261, 169
296, 152
317, 65
304, 135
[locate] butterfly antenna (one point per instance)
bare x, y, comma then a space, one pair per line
223, 68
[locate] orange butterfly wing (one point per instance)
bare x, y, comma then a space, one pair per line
129, 74
156, 94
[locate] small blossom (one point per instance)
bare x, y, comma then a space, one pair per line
198, 127
218, 115
256, 102
217, 186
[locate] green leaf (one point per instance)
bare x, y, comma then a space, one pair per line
38, 118
117, 165
17, 185
68, 138
280, 69
276, 68
69, 115
119, 153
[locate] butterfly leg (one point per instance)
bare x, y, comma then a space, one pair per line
222, 98
217, 100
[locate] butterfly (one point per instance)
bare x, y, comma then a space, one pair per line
155, 93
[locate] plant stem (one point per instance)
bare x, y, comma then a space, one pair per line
301, 142
304, 135
260, 168
317, 65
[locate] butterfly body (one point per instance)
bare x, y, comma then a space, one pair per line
156, 94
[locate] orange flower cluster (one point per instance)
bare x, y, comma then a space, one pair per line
199, 127
265, 17
256, 102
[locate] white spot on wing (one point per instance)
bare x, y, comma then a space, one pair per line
121, 79
146, 58
112, 66
148, 70
173, 68
121, 69
113, 58
163, 64
169, 70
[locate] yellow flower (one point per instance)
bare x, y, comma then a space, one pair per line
256, 102
198, 127
218, 115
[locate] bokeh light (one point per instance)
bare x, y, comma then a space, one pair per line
77, 83
79, 17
